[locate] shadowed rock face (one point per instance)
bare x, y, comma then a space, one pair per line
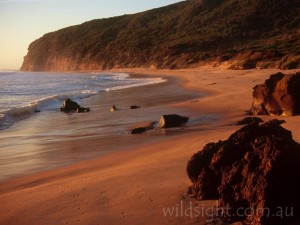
279, 95
257, 168
172, 120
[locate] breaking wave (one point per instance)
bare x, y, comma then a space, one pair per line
97, 83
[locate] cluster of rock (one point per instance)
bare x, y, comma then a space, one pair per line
255, 170
114, 108
69, 106
166, 121
279, 95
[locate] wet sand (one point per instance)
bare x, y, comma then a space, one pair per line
52, 139
138, 184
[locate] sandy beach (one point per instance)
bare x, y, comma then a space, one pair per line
138, 185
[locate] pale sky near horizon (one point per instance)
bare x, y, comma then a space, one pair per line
23, 21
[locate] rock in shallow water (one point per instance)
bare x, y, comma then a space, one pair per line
70, 105
256, 169
172, 120
139, 130
134, 107
83, 110
113, 108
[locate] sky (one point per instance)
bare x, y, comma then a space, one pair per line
23, 21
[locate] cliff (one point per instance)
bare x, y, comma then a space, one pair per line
237, 34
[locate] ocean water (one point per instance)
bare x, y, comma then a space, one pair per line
24, 93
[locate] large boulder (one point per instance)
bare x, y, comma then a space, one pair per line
172, 120
70, 105
254, 174
279, 95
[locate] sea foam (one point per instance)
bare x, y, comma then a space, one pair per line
24, 94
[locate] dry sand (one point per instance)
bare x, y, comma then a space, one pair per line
137, 185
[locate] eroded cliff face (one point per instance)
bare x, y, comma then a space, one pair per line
54, 63
243, 35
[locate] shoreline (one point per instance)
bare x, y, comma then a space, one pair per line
133, 186
12, 113
51, 139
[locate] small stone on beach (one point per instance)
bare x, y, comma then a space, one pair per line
113, 108
135, 107
139, 130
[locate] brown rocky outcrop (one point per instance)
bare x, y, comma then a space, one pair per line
70, 105
254, 174
279, 95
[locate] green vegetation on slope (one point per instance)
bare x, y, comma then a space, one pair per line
248, 33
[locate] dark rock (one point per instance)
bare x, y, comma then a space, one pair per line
83, 110
172, 120
37, 111
248, 120
135, 107
249, 64
257, 168
70, 105
279, 95
139, 130
113, 108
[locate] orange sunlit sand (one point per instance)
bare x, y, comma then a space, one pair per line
134, 186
